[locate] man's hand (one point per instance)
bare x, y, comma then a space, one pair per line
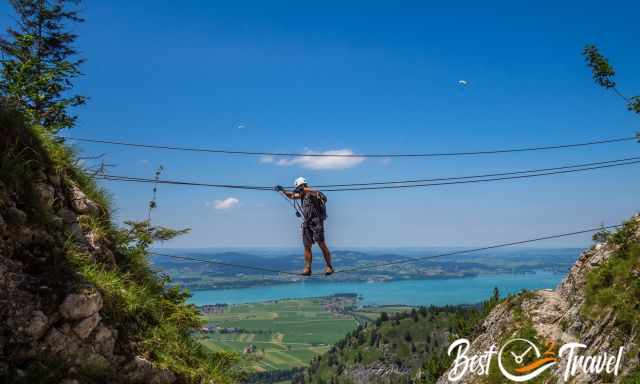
279, 188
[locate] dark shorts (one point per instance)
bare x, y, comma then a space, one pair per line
312, 231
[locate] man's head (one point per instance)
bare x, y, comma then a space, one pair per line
300, 182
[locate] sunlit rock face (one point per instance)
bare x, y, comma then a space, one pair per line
556, 316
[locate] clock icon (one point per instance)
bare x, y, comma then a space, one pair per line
523, 350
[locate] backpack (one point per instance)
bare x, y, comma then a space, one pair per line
319, 201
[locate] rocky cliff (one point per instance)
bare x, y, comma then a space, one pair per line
567, 314
45, 311
78, 301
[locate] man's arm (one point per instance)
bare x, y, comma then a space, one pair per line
289, 194
292, 195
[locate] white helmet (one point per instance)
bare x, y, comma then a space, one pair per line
299, 181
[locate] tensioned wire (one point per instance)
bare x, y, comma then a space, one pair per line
488, 177
372, 155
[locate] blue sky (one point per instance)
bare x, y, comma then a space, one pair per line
367, 77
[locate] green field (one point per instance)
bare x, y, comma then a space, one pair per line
369, 314
285, 333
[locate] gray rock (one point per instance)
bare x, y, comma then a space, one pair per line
40, 176
67, 216
4, 280
46, 194
79, 306
141, 370
163, 376
84, 328
57, 222
38, 325
66, 329
105, 341
92, 240
81, 203
138, 370
58, 342
576, 327
77, 233
16, 216
55, 339
92, 360
54, 179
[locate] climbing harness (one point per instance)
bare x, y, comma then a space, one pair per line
293, 204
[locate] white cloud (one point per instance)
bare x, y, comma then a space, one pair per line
227, 203
322, 162
267, 159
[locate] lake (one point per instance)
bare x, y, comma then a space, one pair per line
467, 290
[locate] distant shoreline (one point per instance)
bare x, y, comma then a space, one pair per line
414, 292
270, 283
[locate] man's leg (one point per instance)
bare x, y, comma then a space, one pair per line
327, 255
307, 241
318, 233
308, 256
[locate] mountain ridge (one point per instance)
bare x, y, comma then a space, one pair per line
597, 304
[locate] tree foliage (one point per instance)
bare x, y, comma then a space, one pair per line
39, 63
410, 345
603, 74
602, 71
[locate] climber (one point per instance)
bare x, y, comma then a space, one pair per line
314, 213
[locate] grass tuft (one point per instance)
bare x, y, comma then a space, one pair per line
615, 285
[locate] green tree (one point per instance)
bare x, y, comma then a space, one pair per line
496, 294
39, 63
603, 74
